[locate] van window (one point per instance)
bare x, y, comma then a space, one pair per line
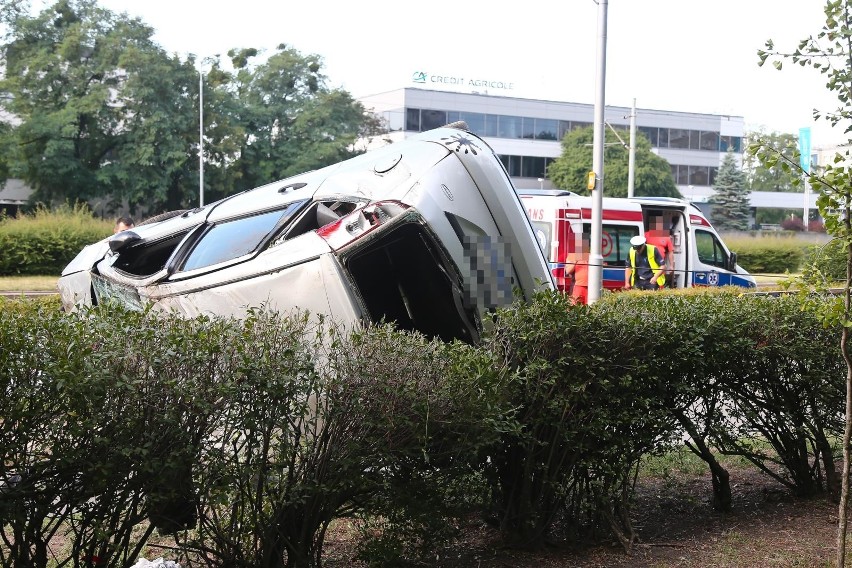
615, 242
710, 250
232, 239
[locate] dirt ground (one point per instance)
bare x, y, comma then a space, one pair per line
677, 527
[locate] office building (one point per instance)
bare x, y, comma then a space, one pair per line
526, 133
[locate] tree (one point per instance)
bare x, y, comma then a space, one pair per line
291, 121
83, 85
761, 178
98, 110
652, 175
830, 53
731, 204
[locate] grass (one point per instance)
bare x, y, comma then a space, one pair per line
28, 283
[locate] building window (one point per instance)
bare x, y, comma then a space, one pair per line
545, 129
664, 138
678, 138
475, 121
393, 120
528, 128
564, 128
492, 125
694, 142
734, 143
430, 119
510, 126
699, 175
532, 167
526, 166
514, 166
575, 125
710, 141
412, 119
652, 134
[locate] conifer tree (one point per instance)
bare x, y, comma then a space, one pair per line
731, 202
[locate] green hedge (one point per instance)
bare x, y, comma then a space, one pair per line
761, 254
46, 241
255, 434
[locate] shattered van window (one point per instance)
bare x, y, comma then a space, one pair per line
233, 239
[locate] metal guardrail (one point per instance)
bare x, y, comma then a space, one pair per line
27, 293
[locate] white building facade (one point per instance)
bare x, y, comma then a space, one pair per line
526, 133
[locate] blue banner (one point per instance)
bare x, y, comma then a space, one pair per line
805, 149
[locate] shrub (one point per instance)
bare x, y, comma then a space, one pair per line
826, 264
761, 254
46, 241
102, 416
588, 402
324, 423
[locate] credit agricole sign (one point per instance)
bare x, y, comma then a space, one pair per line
437, 80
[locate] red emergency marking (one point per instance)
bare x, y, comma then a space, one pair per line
536, 214
606, 244
615, 215
565, 236
698, 220
563, 214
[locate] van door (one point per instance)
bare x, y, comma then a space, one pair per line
712, 260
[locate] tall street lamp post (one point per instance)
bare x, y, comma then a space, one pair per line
596, 177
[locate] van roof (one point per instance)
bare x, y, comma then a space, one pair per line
545, 192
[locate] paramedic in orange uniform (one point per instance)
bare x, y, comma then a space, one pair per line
657, 236
577, 266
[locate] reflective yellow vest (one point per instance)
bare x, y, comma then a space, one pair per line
652, 262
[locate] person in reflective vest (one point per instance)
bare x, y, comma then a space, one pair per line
646, 270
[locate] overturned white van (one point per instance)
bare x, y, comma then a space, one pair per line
427, 233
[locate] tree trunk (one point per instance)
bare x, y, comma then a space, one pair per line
847, 431
721, 479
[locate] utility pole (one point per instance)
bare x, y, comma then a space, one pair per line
596, 177
805, 163
201, 134
631, 163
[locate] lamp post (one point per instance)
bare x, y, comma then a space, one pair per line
201, 134
596, 176
631, 160
201, 63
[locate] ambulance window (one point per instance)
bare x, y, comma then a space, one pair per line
615, 243
710, 250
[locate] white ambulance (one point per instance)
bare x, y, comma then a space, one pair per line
700, 257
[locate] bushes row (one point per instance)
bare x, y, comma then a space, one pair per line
255, 434
46, 241
768, 254
247, 438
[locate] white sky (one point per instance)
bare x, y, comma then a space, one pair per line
686, 55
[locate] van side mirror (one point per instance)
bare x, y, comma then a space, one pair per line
123, 240
732, 262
